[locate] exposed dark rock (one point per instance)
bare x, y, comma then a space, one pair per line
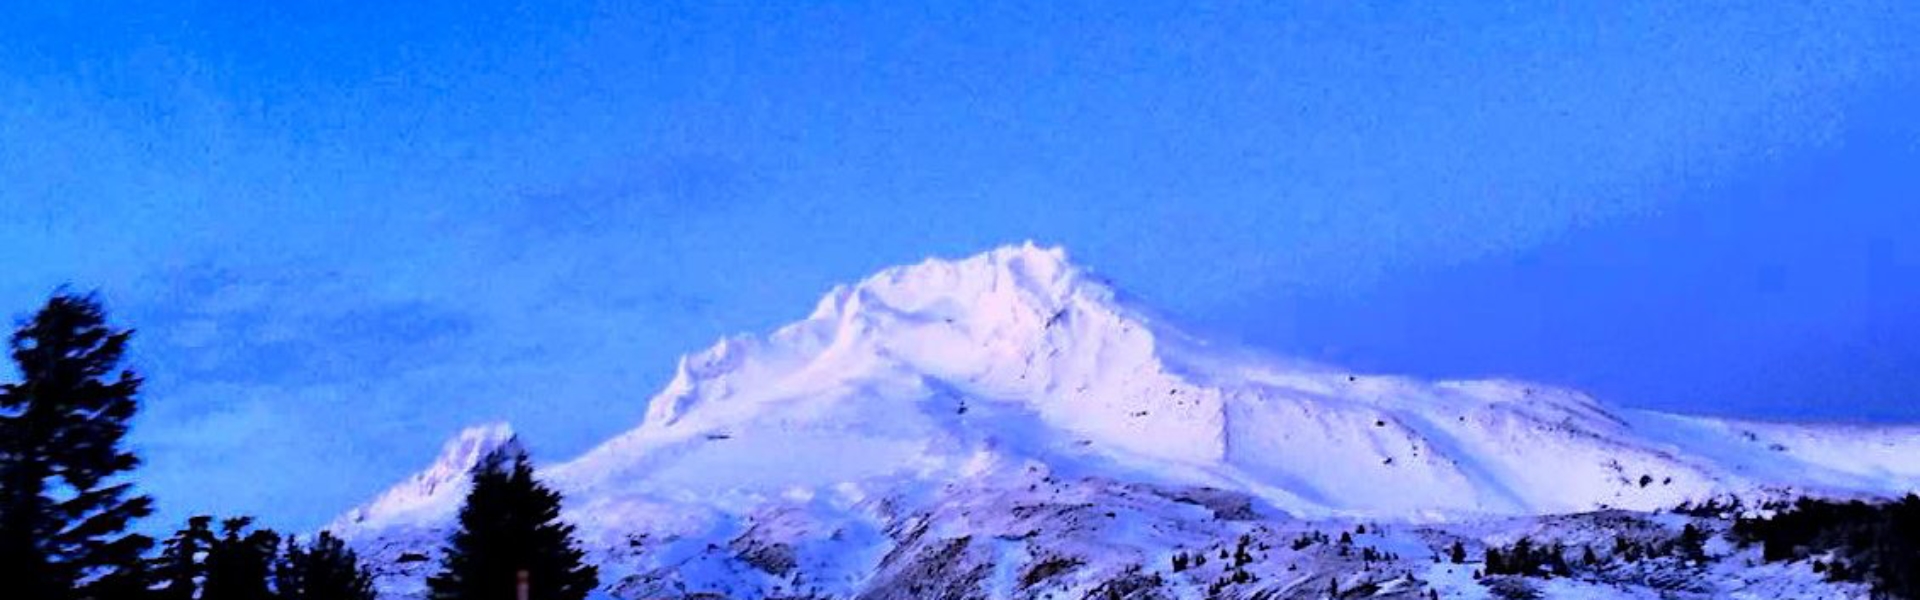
937, 570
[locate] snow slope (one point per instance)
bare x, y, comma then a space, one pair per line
431, 496
948, 381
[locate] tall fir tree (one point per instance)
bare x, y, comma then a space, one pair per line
511, 523
323, 570
289, 576
64, 506
182, 560
240, 564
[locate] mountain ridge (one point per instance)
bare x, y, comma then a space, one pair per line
1033, 290
934, 384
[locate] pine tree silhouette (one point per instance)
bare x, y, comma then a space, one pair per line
1692, 543
323, 570
289, 576
240, 564
63, 509
181, 560
1521, 561
510, 523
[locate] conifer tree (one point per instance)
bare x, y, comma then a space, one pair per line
240, 564
511, 523
289, 579
181, 563
1556, 560
1692, 543
324, 570
1521, 561
64, 508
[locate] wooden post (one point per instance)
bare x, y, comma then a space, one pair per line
521, 588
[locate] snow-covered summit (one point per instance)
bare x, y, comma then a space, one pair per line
1018, 359
1019, 326
993, 302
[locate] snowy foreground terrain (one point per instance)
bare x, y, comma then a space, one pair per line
1008, 426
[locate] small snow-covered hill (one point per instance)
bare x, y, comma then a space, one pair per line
1012, 377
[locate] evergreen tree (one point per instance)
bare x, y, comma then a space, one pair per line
289, 579
181, 560
1692, 543
240, 564
1458, 553
63, 509
1521, 561
324, 570
1556, 560
511, 523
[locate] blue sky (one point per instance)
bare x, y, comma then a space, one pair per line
346, 231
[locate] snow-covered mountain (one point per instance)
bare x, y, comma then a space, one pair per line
931, 403
432, 496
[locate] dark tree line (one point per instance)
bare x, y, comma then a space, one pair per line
66, 500
1874, 543
1689, 545
1525, 558
243, 563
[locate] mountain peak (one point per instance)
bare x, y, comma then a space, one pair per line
1015, 321
1021, 325
1025, 276
438, 490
